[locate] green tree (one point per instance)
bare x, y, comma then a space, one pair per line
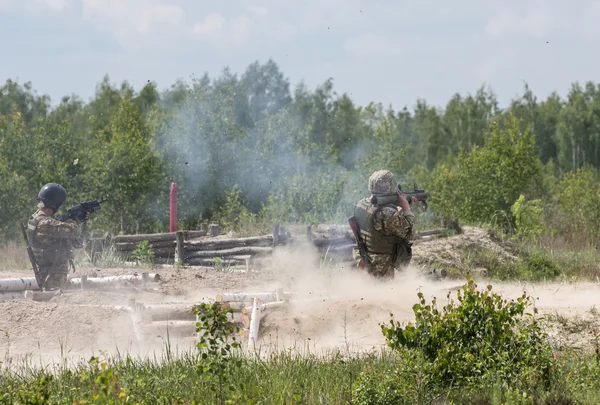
488, 180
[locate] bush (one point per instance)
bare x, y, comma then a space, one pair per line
541, 267
481, 336
528, 218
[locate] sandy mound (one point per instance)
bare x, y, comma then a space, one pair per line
451, 251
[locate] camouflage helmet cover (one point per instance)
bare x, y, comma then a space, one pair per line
382, 182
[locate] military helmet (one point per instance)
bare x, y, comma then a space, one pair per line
382, 182
52, 195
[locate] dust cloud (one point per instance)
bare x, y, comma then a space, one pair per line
335, 306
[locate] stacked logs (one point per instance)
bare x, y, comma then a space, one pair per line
163, 244
193, 248
237, 251
336, 243
174, 320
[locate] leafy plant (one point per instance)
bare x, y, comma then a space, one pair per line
528, 218
143, 254
217, 344
481, 335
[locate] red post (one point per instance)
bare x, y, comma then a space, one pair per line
173, 208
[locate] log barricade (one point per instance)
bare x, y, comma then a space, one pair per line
196, 248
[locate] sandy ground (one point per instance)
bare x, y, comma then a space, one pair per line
339, 307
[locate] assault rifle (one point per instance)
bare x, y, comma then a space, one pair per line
362, 247
36, 271
80, 212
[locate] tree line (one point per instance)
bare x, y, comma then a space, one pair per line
250, 149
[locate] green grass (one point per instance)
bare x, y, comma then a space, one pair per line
286, 377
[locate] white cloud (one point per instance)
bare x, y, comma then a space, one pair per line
215, 27
122, 18
160, 14
370, 45
7, 5
544, 19
56, 5
211, 27
257, 9
240, 28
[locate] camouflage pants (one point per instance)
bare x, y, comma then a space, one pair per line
383, 267
56, 278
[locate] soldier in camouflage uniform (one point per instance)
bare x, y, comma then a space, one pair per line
52, 240
386, 225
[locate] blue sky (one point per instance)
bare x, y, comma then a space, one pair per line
385, 51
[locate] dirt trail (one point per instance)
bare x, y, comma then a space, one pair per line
345, 309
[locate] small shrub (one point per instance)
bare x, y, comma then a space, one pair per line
528, 219
217, 344
143, 253
480, 334
541, 267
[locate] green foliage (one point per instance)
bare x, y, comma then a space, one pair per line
541, 267
143, 254
481, 336
489, 179
579, 205
217, 343
233, 215
250, 144
528, 217
287, 377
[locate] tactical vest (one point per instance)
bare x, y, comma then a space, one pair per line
46, 256
376, 242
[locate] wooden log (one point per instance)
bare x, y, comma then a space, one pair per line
164, 260
248, 297
333, 241
245, 250
235, 306
245, 318
163, 312
160, 252
265, 306
221, 262
276, 235
215, 230
180, 254
254, 323
172, 328
113, 280
124, 246
152, 237
228, 243
187, 235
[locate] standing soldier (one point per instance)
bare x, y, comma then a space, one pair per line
386, 226
52, 240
